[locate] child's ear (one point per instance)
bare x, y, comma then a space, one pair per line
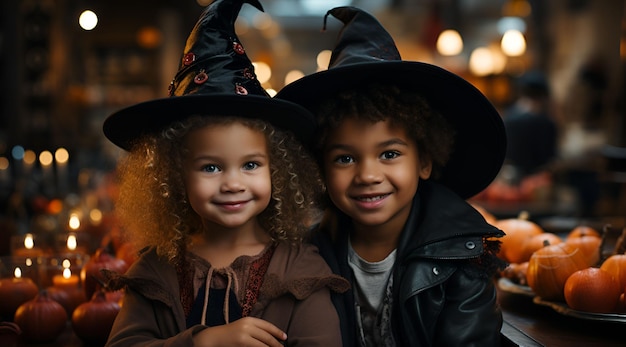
425, 168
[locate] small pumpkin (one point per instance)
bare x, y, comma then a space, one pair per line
41, 319
92, 320
90, 275
616, 265
549, 268
589, 245
13, 293
9, 334
621, 305
517, 230
592, 290
583, 230
69, 298
536, 242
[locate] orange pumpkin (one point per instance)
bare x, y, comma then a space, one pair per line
616, 265
536, 242
583, 230
589, 245
549, 268
517, 230
592, 290
621, 305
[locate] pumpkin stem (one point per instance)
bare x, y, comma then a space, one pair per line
525, 215
620, 245
546, 243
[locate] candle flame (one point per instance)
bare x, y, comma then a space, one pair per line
74, 222
29, 242
45, 158
61, 155
96, 216
71, 240
66, 264
67, 273
18, 272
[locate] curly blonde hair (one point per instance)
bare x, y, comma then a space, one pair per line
153, 207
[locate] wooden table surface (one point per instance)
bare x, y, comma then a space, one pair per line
528, 324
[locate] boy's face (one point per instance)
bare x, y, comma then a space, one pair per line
372, 172
227, 174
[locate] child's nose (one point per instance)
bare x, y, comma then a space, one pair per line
368, 172
232, 182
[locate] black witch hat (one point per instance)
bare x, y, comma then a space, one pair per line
215, 77
365, 53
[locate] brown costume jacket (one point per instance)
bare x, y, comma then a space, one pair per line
294, 296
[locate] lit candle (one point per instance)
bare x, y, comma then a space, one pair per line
66, 290
14, 292
5, 176
30, 157
29, 249
61, 157
45, 160
65, 280
74, 222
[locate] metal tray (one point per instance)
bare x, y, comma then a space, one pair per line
563, 309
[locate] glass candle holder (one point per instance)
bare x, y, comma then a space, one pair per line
27, 245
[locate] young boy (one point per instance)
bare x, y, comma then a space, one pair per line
401, 145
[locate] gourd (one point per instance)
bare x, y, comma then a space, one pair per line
589, 245
536, 242
517, 230
41, 319
92, 320
549, 268
616, 265
592, 290
90, 275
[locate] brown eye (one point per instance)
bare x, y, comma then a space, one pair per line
389, 155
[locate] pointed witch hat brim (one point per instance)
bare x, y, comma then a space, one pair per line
215, 78
366, 53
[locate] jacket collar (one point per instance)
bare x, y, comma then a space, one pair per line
448, 226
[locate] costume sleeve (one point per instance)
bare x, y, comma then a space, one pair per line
314, 322
470, 315
296, 297
146, 323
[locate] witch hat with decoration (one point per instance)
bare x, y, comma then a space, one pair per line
215, 78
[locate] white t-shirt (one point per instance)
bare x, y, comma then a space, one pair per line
371, 289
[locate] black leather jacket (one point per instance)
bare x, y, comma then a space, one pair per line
444, 293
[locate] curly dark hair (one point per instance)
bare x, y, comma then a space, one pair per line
153, 207
404, 108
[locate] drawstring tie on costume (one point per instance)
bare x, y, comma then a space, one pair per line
230, 279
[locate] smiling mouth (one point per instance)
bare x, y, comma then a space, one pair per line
371, 198
232, 203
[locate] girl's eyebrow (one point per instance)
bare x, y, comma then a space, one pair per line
251, 156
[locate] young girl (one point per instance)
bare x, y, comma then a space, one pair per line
220, 190
401, 145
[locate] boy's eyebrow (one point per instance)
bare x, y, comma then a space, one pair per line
390, 142
394, 141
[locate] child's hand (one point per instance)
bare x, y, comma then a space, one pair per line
246, 331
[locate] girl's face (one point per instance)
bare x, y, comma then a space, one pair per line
372, 172
227, 174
